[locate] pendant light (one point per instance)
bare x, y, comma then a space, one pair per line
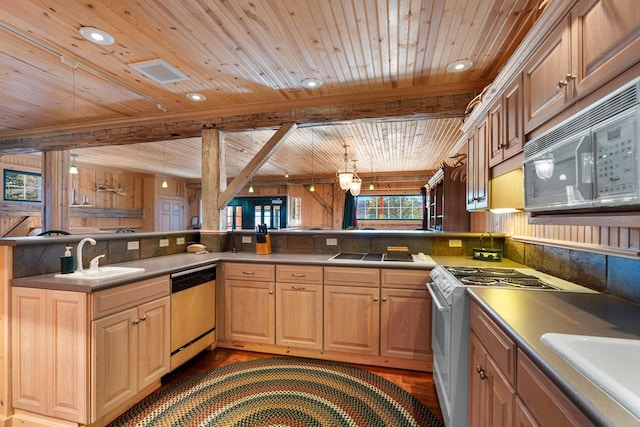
345, 175
251, 178
371, 186
73, 169
356, 182
313, 187
164, 162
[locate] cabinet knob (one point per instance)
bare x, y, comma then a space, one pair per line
384, 299
135, 322
143, 318
375, 299
567, 79
478, 369
483, 375
270, 292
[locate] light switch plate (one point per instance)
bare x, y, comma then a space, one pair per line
164, 243
332, 242
133, 245
455, 243
246, 239
179, 240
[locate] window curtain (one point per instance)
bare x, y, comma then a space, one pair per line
423, 193
349, 213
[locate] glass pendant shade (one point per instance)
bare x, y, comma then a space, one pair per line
73, 170
251, 188
371, 186
164, 183
346, 177
312, 188
356, 185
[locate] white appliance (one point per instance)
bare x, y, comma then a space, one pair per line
589, 162
450, 326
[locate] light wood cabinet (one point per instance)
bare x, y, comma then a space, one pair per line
595, 42
491, 395
352, 319
506, 131
405, 315
446, 209
543, 403
299, 306
478, 169
249, 303
131, 347
49, 353
507, 388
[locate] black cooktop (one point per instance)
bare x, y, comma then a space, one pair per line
502, 277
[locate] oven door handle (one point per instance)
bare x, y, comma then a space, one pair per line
435, 296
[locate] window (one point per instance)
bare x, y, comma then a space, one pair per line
22, 186
389, 207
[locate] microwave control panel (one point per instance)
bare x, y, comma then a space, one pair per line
615, 165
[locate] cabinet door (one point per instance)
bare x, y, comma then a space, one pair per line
606, 41
50, 353
495, 132
523, 417
153, 328
502, 396
299, 315
249, 309
352, 319
550, 65
478, 397
512, 118
405, 324
478, 170
115, 366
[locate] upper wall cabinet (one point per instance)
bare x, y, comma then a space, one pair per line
596, 41
506, 133
478, 169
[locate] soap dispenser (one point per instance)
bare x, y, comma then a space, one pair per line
67, 262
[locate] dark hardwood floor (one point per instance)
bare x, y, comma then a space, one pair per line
419, 384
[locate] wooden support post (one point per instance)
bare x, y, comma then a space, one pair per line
55, 190
214, 179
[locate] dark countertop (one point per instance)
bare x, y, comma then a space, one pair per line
171, 263
527, 315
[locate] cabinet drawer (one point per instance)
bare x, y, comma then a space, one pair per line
497, 343
246, 271
544, 401
351, 276
114, 300
299, 274
407, 279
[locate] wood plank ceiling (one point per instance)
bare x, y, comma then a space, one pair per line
248, 59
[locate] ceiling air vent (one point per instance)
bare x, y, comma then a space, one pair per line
159, 71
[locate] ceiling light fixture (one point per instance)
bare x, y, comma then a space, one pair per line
164, 162
313, 187
97, 36
198, 97
356, 182
311, 83
345, 175
286, 174
459, 65
73, 170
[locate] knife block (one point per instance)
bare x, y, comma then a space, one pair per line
264, 248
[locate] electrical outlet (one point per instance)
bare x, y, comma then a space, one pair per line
179, 240
455, 243
133, 245
332, 242
246, 239
164, 243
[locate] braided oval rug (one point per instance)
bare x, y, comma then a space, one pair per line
281, 392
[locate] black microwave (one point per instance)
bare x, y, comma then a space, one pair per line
590, 162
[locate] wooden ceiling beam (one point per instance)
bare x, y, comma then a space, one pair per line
449, 101
254, 164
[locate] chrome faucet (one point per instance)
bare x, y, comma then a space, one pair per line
80, 245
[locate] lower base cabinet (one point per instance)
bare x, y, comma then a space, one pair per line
85, 358
506, 387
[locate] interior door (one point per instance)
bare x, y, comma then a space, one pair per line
170, 215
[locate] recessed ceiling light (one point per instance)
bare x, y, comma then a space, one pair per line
198, 97
311, 83
97, 36
459, 65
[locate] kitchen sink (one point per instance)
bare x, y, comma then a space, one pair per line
106, 272
610, 363
356, 256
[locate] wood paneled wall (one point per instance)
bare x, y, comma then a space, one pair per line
620, 240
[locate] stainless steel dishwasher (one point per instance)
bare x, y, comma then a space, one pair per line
193, 312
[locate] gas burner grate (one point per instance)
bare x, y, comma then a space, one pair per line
480, 281
533, 282
462, 270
